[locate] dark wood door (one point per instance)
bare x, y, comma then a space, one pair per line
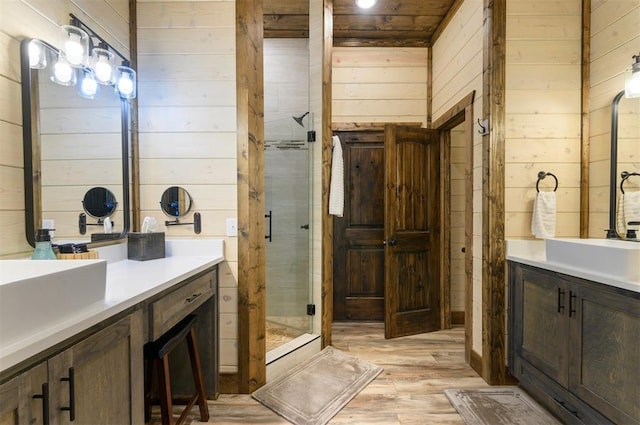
412, 287
358, 251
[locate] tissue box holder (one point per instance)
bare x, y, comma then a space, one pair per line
145, 246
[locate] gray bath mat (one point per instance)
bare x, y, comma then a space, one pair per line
315, 390
498, 406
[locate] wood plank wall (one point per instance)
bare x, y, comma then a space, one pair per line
38, 19
543, 111
615, 37
457, 71
379, 84
187, 120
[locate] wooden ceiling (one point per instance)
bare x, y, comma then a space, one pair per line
398, 23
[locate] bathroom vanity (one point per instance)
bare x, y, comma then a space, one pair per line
574, 334
88, 368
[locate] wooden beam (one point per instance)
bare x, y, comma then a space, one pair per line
448, 17
327, 146
379, 42
585, 115
493, 210
250, 163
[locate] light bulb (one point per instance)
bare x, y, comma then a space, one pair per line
103, 71
37, 57
125, 85
63, 72
89, 86
365, 4
73, 49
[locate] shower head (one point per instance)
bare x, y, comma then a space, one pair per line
299, 119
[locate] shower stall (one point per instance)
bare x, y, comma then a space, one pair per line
288, 161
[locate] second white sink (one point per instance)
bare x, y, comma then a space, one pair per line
615, 258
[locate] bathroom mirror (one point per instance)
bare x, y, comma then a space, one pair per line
624, 152
71, 145
175, 201
99, 202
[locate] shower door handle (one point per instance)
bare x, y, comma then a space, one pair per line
269, 216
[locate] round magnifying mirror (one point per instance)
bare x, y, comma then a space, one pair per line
99, 202
175, 201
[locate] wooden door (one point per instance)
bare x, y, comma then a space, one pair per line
358, 252
412, 286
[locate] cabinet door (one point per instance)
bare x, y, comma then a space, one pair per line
97, 381
605, 335
24, 399
543, 338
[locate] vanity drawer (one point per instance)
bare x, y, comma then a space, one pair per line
173, 307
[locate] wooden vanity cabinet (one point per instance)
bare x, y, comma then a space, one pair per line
23, 399
575, 345
94, 381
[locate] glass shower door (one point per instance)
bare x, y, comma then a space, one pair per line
288, 237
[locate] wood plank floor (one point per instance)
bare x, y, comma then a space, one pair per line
409, 391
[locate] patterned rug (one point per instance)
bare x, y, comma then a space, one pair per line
498, 406
315, 390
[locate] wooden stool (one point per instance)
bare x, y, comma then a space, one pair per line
156, 353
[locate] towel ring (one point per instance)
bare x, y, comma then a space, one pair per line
542, 175
625, 175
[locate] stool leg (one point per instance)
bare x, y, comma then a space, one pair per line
164, 384
147, 389
196, 369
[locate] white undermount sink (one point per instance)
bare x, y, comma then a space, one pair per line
35, 295
615, 258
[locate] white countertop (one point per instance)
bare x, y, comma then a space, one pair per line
533, 253
128, 283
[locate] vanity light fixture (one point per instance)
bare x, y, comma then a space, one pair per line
632, 80
365, 4
85, 57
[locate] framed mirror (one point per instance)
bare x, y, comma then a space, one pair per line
175, 202
71, 145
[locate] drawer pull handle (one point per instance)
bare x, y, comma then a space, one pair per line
72, 397
193, 297
45, 403
572, 297
560, 300
567, 408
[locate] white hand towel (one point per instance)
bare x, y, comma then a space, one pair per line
620, 223
543, 222
336, 187
631, 209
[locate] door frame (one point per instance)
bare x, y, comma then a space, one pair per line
461, 112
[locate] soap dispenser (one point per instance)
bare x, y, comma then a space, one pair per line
44, 250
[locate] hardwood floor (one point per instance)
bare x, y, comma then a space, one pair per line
409, 391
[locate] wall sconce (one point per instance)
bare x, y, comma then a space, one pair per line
84, 57
632, 79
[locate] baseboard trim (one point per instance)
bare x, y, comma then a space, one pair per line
457, 317
476, 362
228, 383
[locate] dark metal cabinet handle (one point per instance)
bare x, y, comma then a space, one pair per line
193, 297
72, 395
560, 300
572, 297
393, 242
45, 403
567, 408
270, 217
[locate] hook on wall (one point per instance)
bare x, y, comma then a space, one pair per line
484, 126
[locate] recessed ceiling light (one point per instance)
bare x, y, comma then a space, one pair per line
365, 4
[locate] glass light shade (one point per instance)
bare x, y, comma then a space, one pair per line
74, 44
88, 86
126, 82
37, 55
632, 79
62, 73
365, 4
103, 66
